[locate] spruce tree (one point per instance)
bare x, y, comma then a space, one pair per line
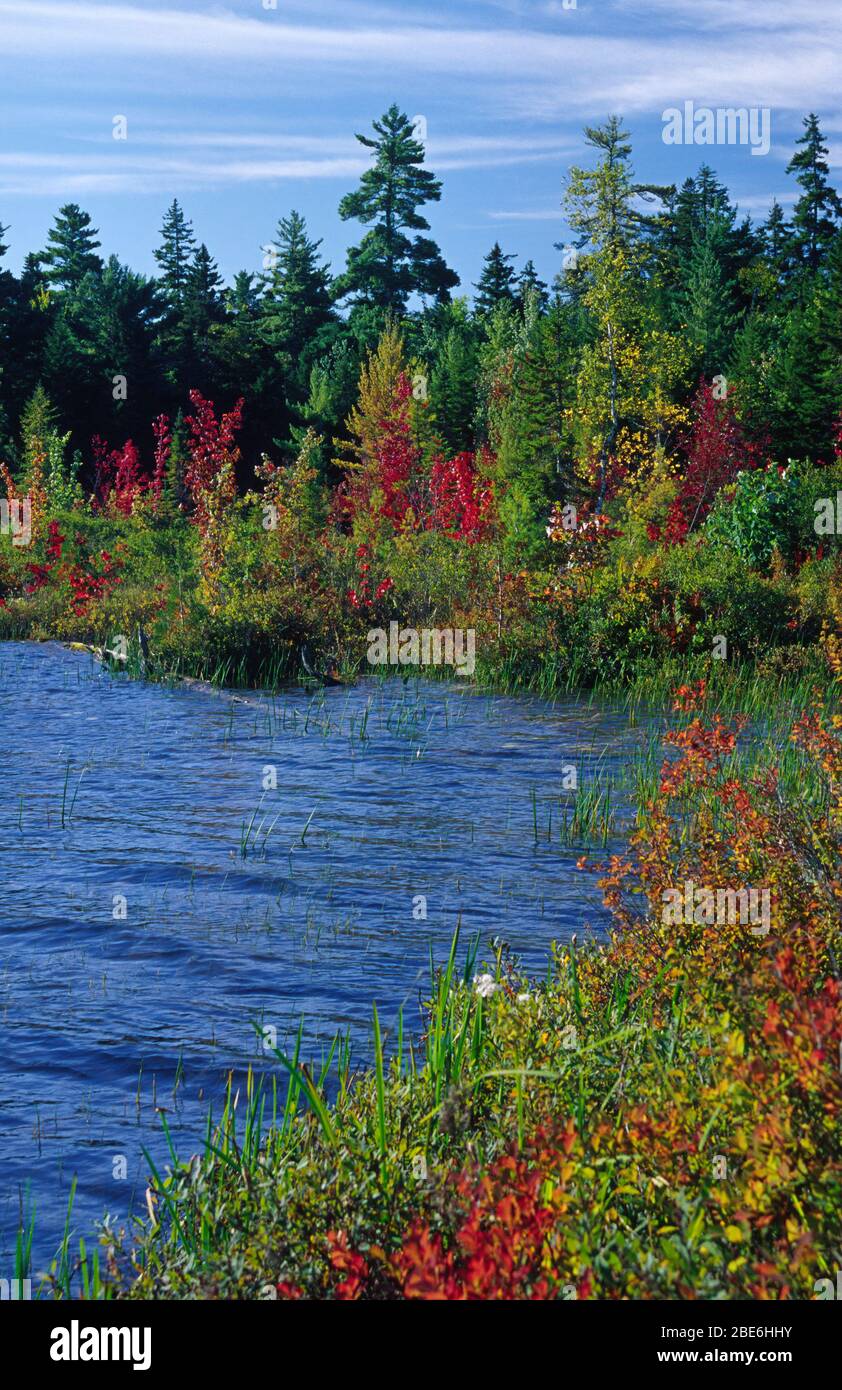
496, 284
175, 255
453, 386
297, 299
777, 243
202, 311
388, 266
700, 209
707, 305
528, 283
71, 253
816, 214
202, 290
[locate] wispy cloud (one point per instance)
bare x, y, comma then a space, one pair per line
228, 97
538, 215
573, 66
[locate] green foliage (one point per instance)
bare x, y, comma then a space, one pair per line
496, 284
71, 254
773, 510
388, 266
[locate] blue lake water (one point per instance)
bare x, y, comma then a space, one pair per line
160, 896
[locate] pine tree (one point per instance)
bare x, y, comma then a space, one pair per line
175, 255
387, 267
496, 284
816, 214
71, 253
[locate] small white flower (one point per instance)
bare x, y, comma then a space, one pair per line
485, 986
523, 998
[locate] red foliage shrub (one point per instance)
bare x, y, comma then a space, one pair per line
462, 502
212, 458
716, 451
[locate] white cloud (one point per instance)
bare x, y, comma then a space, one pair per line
569, 68
512, 63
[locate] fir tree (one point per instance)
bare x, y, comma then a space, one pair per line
699, 210
453, 386
777, 243
708, 310
203, 311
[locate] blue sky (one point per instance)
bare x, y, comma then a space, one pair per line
244, 110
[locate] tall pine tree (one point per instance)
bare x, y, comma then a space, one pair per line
388, 265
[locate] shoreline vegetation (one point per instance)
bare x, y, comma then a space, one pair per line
628, 486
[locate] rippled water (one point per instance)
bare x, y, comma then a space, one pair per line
122, 796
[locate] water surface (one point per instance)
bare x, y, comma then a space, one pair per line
160, 896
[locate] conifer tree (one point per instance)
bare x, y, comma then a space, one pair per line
777, 243
603, 203
707, 305
388, 266
71, 253
175, 255
496, 284
296, 302
816, 215
453, 383
528, 283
